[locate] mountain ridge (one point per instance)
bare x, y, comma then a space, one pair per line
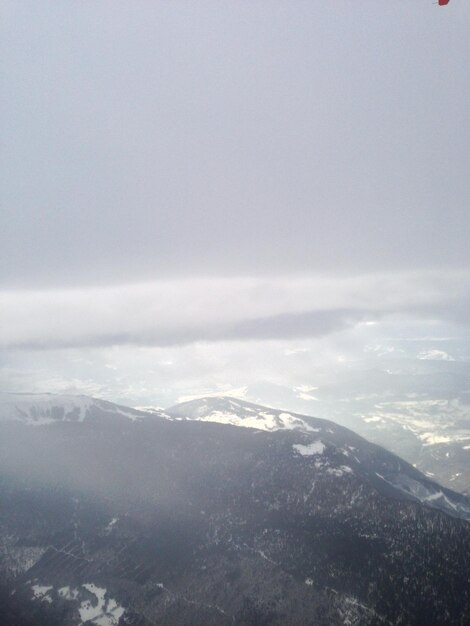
39, 409
179, 521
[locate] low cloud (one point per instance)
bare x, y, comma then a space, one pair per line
181, 312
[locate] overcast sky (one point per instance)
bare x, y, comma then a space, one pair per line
201, 178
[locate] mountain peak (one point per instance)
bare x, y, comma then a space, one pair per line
228, 410
39, 409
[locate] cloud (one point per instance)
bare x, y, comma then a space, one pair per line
140, 375
226, 390
184, 138
435, 355
178, 312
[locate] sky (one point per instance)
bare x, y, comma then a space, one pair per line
199, 194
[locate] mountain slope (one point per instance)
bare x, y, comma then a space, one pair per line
418, 409
373, 462
38, 409
156, 521
226, 410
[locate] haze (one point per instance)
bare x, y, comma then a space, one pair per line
199, 195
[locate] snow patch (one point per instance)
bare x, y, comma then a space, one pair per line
67, 593
339, 471
430, 439
317, 447
263, 420
48, 408
111, 525
40, 409
101, 612
40, 592
150, 409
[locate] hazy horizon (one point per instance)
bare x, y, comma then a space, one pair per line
196, 196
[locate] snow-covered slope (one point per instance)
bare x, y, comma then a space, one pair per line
39, 409
226, 410
155, 410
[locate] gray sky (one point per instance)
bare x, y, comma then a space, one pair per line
184, 172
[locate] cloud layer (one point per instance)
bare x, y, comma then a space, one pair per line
225, 138
180, 312
198, 194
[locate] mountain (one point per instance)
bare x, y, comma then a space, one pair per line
109, 520
371, 461
227, 410
416, 408
38, 409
